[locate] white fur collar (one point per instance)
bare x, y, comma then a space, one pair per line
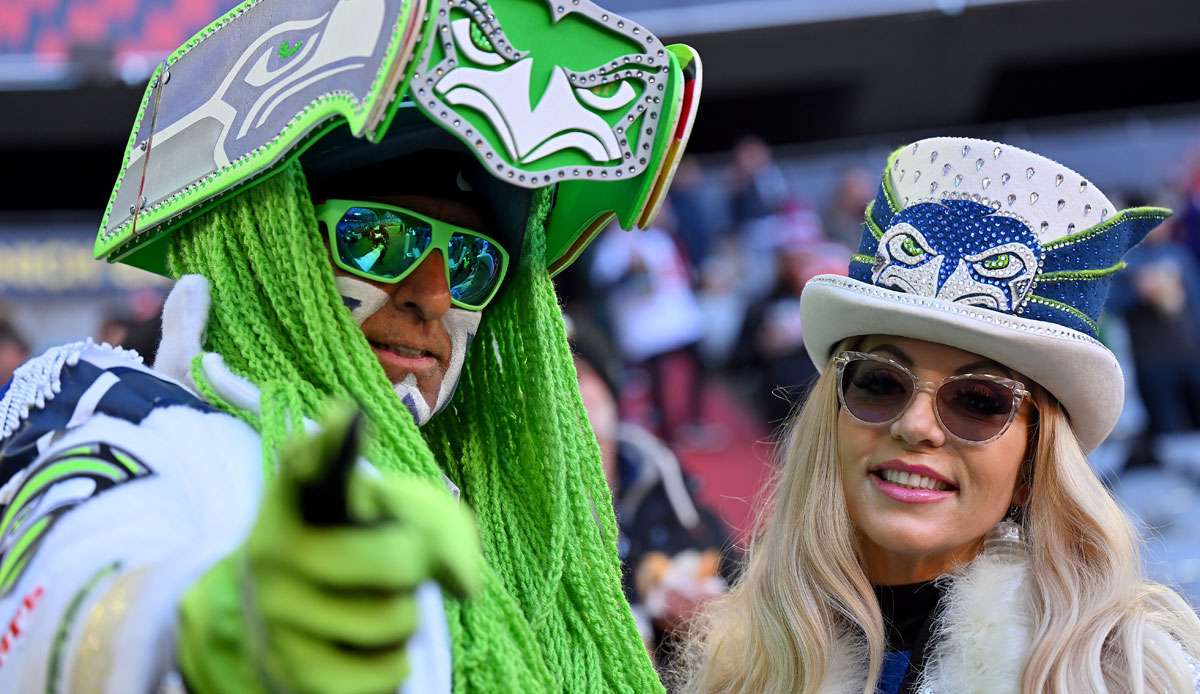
981, 641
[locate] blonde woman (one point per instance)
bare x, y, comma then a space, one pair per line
935, 526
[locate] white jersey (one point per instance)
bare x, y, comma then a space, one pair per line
119, 487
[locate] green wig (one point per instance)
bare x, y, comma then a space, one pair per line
515, 438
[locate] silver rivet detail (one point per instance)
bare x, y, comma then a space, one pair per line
996, 153
1033, 198
1004, 179
986, 182
1058, 180
1029, 173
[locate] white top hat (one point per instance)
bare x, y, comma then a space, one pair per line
995, 250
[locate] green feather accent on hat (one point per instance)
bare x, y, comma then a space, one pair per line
1078, 275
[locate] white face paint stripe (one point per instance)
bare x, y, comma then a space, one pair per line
362, 298
462, 325
410, 395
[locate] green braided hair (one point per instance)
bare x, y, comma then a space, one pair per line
515, 438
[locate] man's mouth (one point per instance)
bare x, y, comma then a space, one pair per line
402, 351
400, 360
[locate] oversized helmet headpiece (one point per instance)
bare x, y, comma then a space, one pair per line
544, 93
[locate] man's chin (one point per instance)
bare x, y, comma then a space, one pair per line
410, 394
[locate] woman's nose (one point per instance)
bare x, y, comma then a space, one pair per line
918, 424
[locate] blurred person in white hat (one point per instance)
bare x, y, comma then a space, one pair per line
935, 526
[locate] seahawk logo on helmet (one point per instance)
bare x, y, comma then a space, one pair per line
543, 105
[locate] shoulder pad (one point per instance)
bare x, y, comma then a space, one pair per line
62, 388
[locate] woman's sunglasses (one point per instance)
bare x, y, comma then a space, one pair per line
386, 243
974, 408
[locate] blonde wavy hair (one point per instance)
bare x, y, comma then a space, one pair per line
1098, 622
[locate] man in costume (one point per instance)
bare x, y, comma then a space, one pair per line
362, 200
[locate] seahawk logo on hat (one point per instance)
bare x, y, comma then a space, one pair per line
995, 250
1002, 229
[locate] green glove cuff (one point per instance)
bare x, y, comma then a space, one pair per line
213, 633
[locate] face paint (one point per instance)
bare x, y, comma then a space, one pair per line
461, 325
361, 298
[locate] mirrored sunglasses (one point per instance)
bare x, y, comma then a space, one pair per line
385, 243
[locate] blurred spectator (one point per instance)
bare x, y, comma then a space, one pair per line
1188, 213
694, 222
14, 350
794, 227
138, 326
771, 349
1159, 297
654, 314
844, 215
756, 185
670, 547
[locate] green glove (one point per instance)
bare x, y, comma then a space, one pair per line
320, 598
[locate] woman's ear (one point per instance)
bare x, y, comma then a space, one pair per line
1021, 493
1023, 487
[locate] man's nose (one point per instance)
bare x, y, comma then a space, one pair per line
425, 292
918, 424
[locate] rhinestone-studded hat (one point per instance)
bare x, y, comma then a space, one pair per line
995, 250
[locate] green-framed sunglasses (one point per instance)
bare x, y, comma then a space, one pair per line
385, 243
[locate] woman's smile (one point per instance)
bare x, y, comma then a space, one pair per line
911, 484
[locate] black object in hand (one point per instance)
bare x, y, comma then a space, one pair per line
324, 497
